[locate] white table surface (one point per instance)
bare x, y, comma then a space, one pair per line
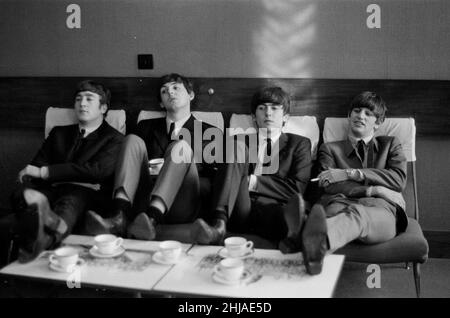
134, 270
278, 276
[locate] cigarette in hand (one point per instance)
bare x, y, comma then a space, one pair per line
315, 179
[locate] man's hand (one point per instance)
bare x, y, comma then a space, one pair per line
388, 195
330, 176
29, 171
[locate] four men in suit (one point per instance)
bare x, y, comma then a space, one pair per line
256, 190
71, 172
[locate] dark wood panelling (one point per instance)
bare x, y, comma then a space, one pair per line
23, 101
439, 243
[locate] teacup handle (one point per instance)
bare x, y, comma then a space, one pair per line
249, 245
53, 259
217, 269
119, 241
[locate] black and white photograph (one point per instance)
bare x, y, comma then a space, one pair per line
221, 156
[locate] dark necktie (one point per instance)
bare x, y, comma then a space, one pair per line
268, 152
361, 151
171, 129
77, 144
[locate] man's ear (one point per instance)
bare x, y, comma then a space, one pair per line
161, 105
285, 119
103, 108
191, 95
255, 123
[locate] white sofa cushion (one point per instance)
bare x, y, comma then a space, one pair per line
300, 125
56, 116
212, 118
403, 128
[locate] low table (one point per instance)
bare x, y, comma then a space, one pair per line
133, 271
269, 273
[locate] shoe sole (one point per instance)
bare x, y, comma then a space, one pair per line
314, 234
31, 225
287, 245
134, 230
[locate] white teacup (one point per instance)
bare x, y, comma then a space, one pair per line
230, 269
155, 165
170, 250
107, 243
64, 257
237, 246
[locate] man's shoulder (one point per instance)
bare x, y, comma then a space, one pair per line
385, 139
152, 124
296, 139
57, 130
109, 130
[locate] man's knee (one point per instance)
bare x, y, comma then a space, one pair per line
179, 152
133, 141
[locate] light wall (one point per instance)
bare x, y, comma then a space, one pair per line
227, 38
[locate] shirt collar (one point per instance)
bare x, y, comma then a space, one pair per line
89, 130
178, 124
274, 135
355, 140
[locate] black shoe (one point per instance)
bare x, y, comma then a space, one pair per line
95, 224
33, 223
294, 216
203, 233
314, 240
142, 228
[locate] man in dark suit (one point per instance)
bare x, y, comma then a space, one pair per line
362, 177
261, 192
175, 194
71, 172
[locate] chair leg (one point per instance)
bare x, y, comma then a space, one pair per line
416, 271
10, 251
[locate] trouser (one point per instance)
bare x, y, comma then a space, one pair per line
245, 212
354, 221
178, 184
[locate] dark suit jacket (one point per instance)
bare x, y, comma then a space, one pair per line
386, 166
93, 163
294, 169
154, 134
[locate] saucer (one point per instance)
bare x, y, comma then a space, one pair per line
158, 258
224, 253
95, 252
219, 279
69, 269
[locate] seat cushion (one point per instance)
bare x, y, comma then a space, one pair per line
212, 118
410, 246
56, 116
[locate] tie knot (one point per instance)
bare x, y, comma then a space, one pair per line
82, 132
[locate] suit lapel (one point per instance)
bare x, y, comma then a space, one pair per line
159, 130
